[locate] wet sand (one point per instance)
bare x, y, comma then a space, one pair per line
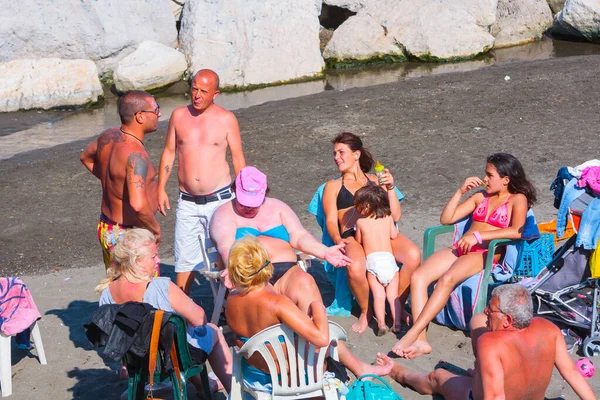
431, 132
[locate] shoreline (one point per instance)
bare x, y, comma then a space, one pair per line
29, 130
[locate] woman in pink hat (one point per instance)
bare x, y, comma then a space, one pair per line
278, 229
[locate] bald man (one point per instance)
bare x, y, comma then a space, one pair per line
119, 159
199, 134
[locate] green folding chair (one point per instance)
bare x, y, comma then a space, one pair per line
485, 289
188, 368
533, 256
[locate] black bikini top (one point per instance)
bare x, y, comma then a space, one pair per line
345, 199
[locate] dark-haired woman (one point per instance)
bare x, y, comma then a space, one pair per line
498, 212
354, 162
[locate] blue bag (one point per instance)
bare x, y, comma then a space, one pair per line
364, 389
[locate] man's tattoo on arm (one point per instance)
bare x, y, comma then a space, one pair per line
138, 161
167, 169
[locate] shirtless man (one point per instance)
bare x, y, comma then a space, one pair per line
279, 230
199, 134
514, 356
118, 158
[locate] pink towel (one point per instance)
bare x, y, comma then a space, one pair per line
17, 309
590, 177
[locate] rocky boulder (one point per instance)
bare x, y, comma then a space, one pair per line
82, 29
484, 11
521, 21
432, 30
47, 83
352, 5
556, 5
151, 66
579, 18
361, 38
440, 32
177, 7
252, 42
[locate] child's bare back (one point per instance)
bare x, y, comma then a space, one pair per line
376, 234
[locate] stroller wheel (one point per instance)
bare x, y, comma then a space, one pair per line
591, 346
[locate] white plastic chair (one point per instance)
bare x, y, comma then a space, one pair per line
212, 273
304, 359
5, 358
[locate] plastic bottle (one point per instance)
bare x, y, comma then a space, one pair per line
379, 171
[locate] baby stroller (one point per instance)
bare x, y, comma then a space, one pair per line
565, 291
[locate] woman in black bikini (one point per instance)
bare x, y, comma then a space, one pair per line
353, 162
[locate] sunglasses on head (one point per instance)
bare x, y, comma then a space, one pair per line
267, 262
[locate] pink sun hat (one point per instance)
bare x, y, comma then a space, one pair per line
250, 187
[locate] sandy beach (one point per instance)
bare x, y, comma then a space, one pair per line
432, 132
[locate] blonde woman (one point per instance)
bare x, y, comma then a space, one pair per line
131, 278
254, 305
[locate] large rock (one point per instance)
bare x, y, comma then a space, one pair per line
82, 29
438, 31
252, 42
484, 11
47, 83
151, 66
435, 30
556, 5
361, 38
580, 18
521, 21
352, 5
177, 7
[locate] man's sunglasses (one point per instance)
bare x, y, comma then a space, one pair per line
156, 111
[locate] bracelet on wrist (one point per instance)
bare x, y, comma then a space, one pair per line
478, 237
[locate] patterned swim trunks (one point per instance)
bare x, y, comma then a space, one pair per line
108, 234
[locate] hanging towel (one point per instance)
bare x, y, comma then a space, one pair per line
17, 309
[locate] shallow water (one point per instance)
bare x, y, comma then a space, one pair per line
31, 130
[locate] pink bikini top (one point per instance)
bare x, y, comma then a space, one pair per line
498, 218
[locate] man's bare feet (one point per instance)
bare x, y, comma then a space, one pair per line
381, 369
361, 324
397, 372
419, 347
382, 330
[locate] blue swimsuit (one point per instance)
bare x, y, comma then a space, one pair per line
276, 232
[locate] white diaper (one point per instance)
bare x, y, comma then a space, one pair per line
383, 265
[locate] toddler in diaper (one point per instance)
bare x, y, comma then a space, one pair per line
375, 232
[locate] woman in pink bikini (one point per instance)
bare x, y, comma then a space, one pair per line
498, 212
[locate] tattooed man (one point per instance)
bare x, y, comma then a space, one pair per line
118, 158
199, 134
